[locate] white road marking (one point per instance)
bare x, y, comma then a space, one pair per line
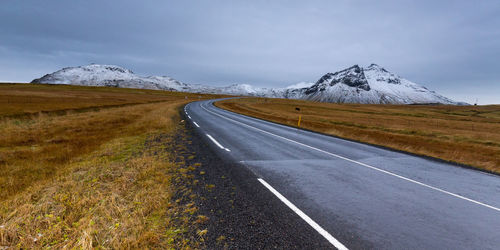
217, 143
304, 216
214, 141
196, 124
361, 164
189, 117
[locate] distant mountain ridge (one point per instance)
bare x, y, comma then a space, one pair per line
370, 85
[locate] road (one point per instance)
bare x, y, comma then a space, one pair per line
356, 195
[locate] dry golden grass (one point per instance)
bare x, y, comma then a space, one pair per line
461, 134
121, 196
23, 99
98, 177
33, 150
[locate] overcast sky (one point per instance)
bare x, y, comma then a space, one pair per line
452, 47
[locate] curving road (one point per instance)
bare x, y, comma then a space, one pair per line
357, 195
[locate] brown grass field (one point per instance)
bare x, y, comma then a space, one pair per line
461, 134
25, 99
84, 167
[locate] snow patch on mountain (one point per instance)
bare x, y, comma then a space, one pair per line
240, 89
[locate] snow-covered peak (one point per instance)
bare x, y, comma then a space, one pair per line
352, 77
375, 67
379, 74
88, 71
373, 84
102, 68
111, 76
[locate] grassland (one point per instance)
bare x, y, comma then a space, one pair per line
18, 100
93, 167
461, 134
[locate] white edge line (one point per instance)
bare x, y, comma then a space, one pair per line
304, 216
196, 124
214, 141
362, 164
218, 144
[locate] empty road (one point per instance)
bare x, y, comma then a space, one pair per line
357, 195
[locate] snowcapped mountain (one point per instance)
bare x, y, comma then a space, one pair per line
111, 76
370, 85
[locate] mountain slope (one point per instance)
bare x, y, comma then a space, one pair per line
370, 85
111, 76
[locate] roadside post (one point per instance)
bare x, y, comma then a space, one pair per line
300, 116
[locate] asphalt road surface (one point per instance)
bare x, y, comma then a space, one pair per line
357, 195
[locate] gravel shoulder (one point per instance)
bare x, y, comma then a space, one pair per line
241, 212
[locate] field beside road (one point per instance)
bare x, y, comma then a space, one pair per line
21, 100
94, 167
461, 134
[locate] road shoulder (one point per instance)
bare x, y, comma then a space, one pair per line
241, 212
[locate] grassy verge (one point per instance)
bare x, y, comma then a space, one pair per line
122, 196
106, 178
462, 134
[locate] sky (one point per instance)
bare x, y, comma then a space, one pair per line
452, 47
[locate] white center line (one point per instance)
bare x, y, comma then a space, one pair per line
360, 163
304, 216
196, 124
